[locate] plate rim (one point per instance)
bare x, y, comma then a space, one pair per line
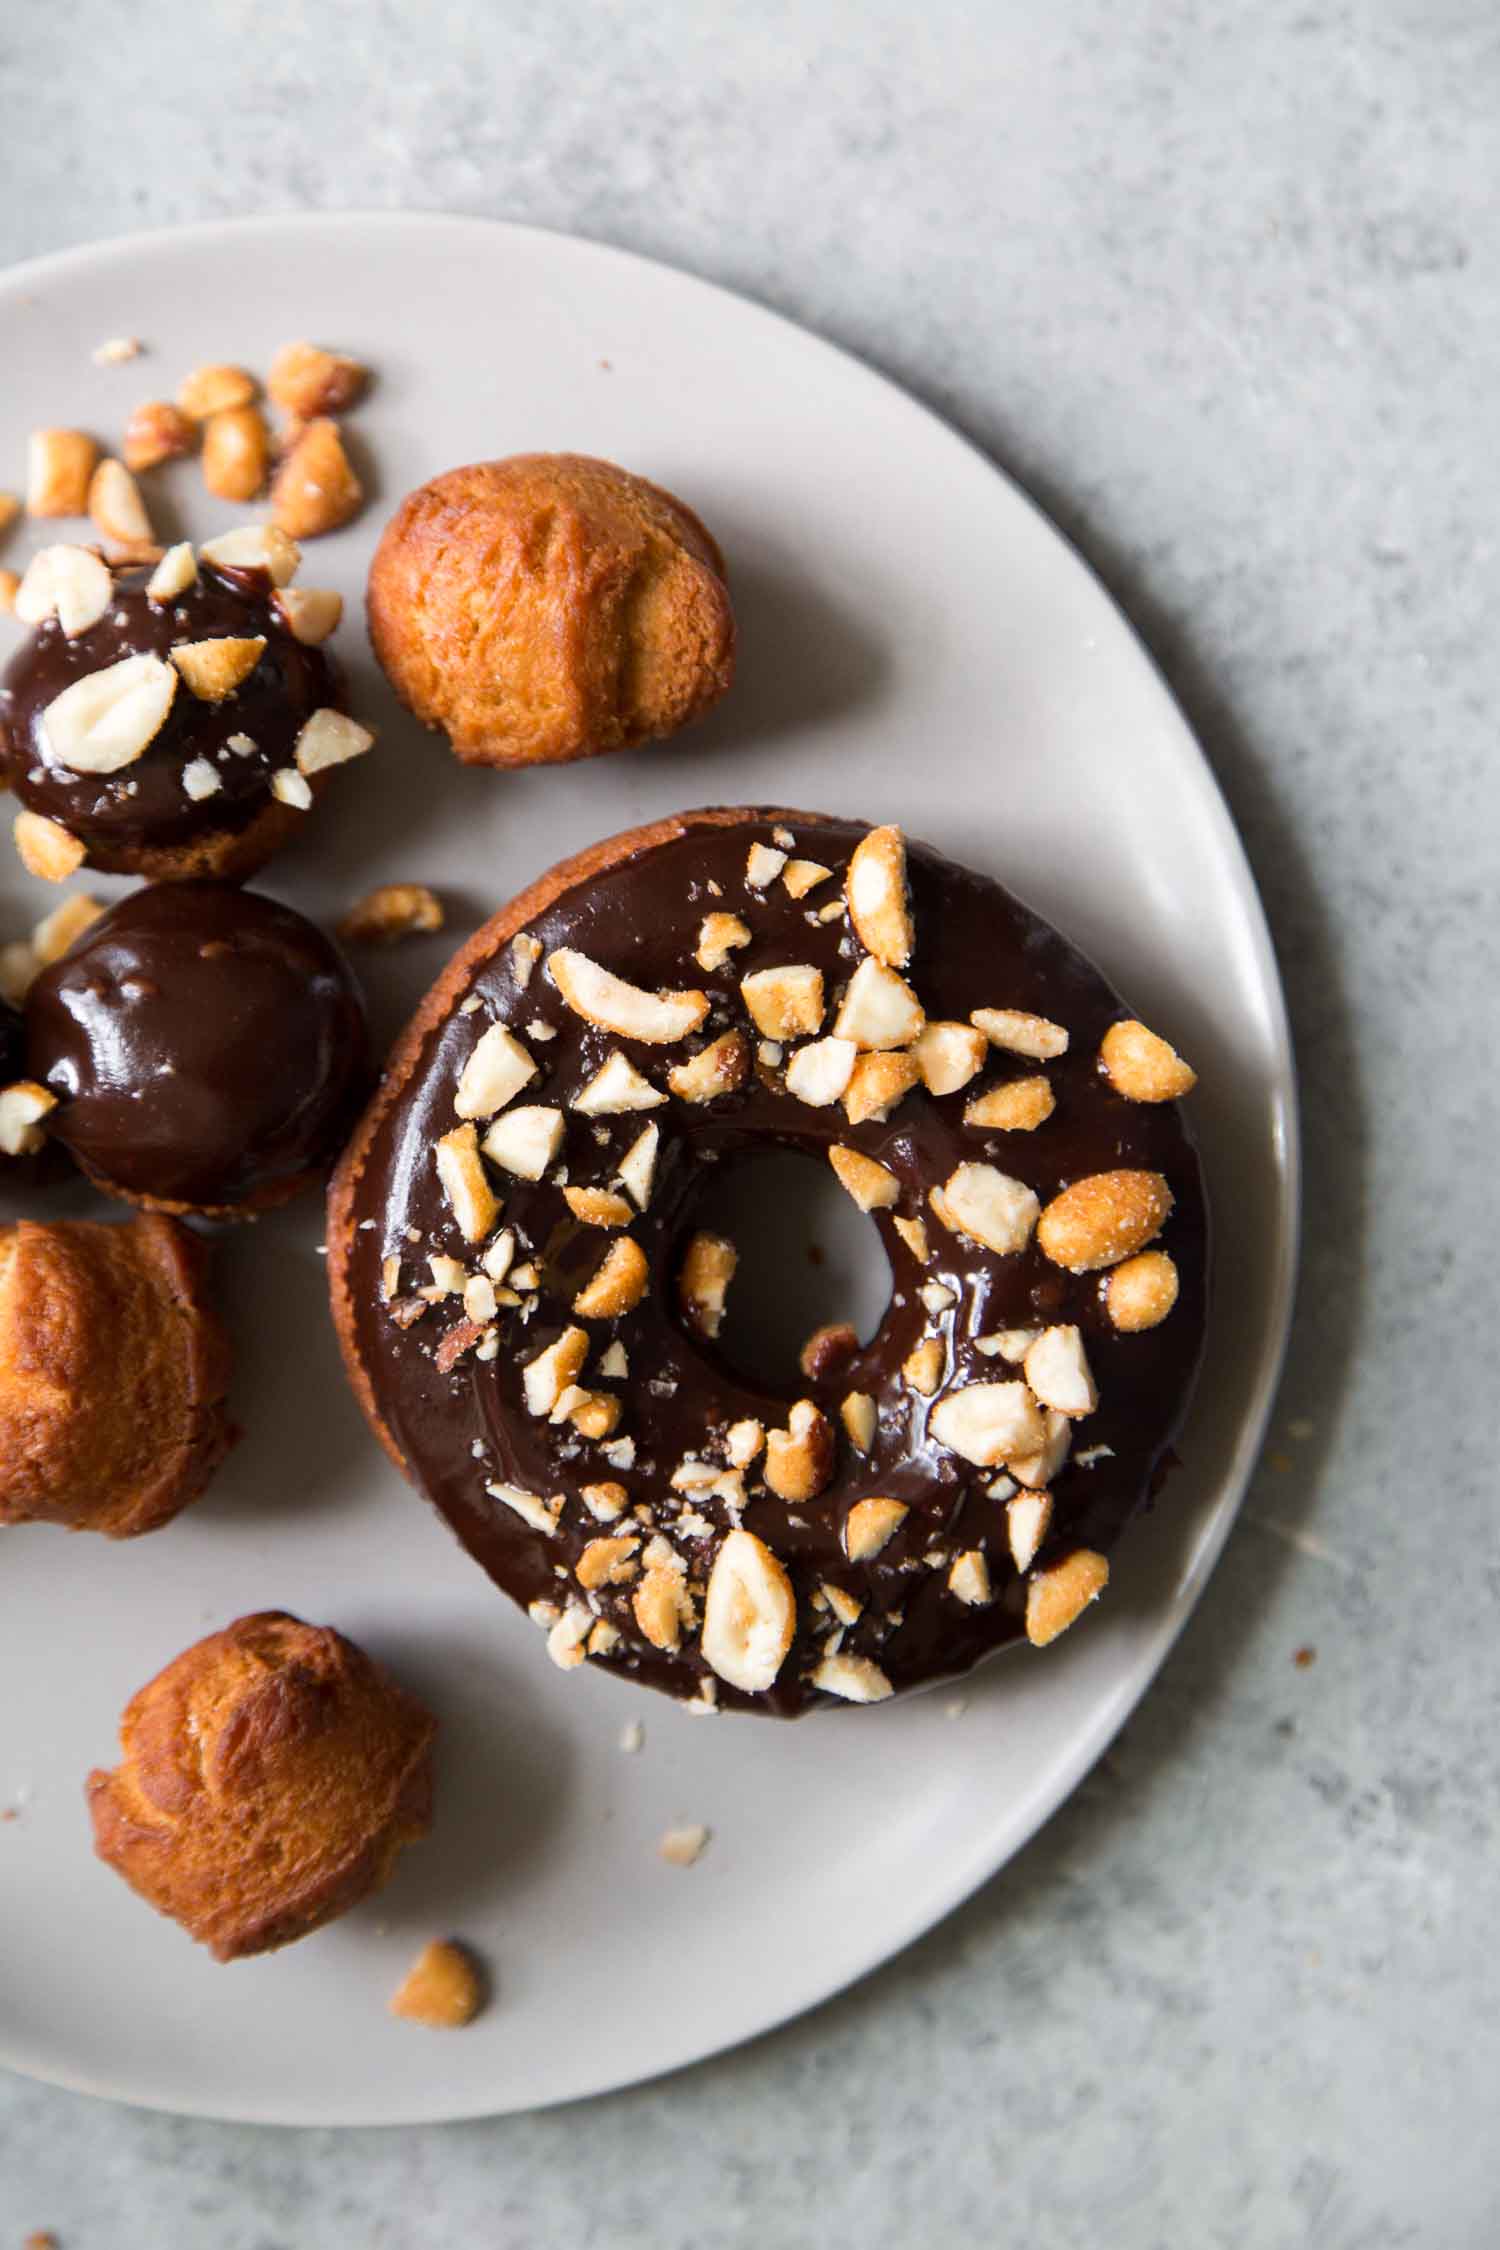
984, 1860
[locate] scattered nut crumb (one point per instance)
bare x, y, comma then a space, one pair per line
157, 431
443, 1987
632, 1737
215, 390
306, 381
1304, 1658
115, 350
119, 514
315, 489
236, 453
60, 464
683, 1847
392, 911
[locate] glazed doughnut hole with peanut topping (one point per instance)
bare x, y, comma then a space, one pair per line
171, 712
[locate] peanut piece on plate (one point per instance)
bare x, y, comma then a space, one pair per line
443, 1988
60, 465
236, 450
119, 514
214, 389
315, 490
306, 381
392, 911
157, 431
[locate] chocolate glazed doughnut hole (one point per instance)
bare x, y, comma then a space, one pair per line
531, 1302
174, 724
206, 1046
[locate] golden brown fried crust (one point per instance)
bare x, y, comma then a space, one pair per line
226, 855
344, 1212
549, 607
113, 1370
268, 1780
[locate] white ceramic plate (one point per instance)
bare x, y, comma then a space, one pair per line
917, 645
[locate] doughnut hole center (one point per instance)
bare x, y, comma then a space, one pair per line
808, 1257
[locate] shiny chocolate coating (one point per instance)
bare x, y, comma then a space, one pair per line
206, 1046
11, 1043
464, 1425
145, 805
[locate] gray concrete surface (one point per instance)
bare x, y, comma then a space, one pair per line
1218, 282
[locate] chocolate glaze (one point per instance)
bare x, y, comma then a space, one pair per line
975, 947
206, 1045
10, 1043
145, 803
48, 1167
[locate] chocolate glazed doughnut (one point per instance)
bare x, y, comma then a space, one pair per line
528, 1312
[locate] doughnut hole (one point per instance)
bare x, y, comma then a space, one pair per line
808, 1258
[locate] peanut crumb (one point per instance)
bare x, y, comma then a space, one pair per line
683, 1847
392, 911
443, 1988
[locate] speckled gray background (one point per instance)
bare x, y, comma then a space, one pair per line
1218, 282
